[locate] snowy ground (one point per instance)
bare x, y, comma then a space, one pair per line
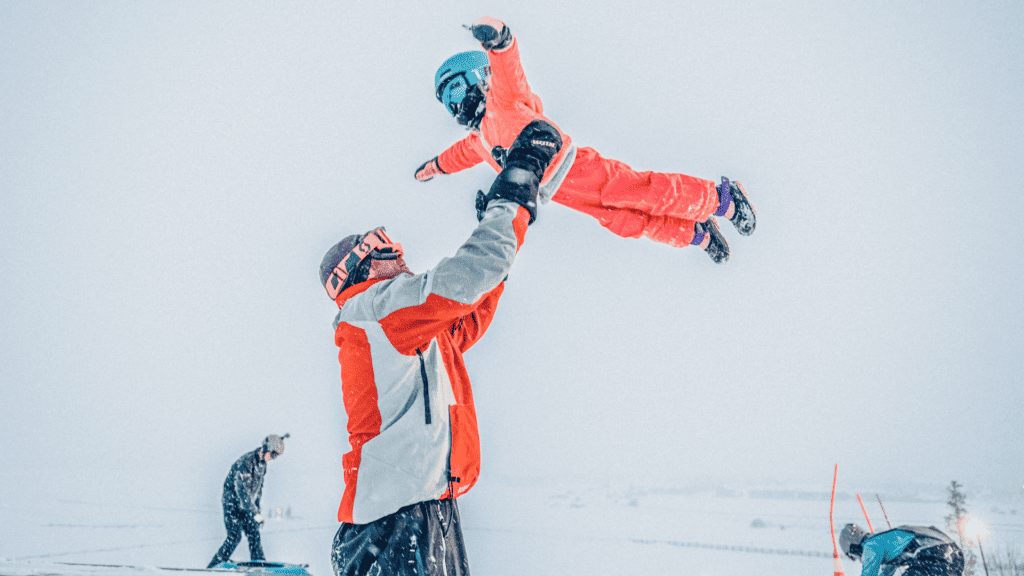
522, 527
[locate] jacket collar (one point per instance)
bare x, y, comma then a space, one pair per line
356, 289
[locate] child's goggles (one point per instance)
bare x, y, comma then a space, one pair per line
453, 90
374, 243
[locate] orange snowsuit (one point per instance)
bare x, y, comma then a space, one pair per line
660, 206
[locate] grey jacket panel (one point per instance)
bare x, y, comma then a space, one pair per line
548, 189
479, 265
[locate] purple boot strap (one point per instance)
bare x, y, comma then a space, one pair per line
724, 197
698, 234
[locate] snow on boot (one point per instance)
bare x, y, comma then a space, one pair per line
717, 248
733, 193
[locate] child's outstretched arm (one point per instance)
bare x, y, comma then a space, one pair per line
464, 154
508, 81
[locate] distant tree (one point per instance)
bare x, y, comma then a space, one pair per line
1007, 562
956, 522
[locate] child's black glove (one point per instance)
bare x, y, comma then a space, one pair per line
492, 33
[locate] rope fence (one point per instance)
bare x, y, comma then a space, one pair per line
732, 548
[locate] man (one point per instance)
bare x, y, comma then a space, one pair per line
411, 420
241, 499
924, 551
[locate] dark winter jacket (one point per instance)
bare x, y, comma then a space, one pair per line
244, 484
903, 545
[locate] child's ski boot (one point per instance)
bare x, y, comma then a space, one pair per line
707, 235
733, 194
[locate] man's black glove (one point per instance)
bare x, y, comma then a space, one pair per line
527, 159
499, 154
492, 33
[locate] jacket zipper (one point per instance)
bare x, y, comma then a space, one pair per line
426, 390
452, 479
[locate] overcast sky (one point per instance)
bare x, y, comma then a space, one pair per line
172, 173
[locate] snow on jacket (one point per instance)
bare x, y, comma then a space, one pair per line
244, 484
411, 420
511, 105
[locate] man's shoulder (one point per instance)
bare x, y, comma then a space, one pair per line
244, 462
384, 297
889, 535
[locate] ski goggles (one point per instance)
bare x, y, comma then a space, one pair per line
374, 243
453, 90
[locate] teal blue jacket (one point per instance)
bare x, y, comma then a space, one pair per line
882, 550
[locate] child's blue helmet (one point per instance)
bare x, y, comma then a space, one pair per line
459, 85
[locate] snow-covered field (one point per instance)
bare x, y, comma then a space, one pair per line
172, 173
530, 527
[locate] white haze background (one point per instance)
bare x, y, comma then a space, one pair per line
172, 173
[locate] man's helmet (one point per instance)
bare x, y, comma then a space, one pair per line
460, 84
348, 262
274, 445
850, 541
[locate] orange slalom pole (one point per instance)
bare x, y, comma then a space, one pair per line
870, 529
837, 564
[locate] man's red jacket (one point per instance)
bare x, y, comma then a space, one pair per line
411, 421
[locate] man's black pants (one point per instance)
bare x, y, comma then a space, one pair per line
423, 539
238, 521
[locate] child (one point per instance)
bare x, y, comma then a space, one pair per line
674, 209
